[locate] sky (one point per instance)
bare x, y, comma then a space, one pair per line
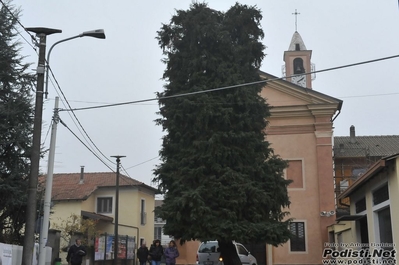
127, 66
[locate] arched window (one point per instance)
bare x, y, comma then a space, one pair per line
298, 66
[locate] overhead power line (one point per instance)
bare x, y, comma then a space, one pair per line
48, 131
371, 95
142, 163
124, 170
96, 155
76, 118
22, 26
232, 86
168, 97
59, 87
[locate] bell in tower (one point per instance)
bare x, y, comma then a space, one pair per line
298, 66
297, 62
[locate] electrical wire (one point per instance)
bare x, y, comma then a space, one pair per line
142, 163
17, 20
232, 86
168, 97
99, 158
70, 115
59, 87
30, 44
371, 95
63, 103
232, 103
48, 131
74, 115
63, 123
124, 170
124, 180
204, 91
193, 93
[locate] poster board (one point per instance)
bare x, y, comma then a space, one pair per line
5, 254
104, 247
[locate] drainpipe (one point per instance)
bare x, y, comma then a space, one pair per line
339, 111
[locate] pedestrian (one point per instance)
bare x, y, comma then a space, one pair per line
171, 253
156, 252
142, 254
76, 252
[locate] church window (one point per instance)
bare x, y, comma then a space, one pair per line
297, 241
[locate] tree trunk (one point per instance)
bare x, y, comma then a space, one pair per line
229, 253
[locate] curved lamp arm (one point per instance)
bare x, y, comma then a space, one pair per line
98, 33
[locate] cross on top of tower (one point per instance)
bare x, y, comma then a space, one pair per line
296, 19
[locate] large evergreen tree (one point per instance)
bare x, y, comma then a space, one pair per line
220, 177
16, 114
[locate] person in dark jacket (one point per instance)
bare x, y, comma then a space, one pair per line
171, 253
156, 252
142, 254
76, 253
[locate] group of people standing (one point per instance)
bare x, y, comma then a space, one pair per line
155, 253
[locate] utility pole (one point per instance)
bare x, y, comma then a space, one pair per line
27, 254
116, 236
49, 187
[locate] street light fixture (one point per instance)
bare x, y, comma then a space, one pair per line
98, 33
49, 180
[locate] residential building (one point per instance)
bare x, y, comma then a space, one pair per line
187, 251
300, 130
158, 226
353, 156
92, 195
374, 205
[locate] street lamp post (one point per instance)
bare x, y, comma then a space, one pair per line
49, 180
116, 236
27, 253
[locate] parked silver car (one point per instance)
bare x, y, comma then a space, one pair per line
208, 254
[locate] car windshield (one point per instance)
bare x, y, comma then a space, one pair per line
208, 247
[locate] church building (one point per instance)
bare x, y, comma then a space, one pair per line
300, 130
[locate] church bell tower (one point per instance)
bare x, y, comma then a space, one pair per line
297, 62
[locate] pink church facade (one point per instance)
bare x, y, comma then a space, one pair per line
300, 130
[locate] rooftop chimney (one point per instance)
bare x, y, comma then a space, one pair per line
352, 135
82, 173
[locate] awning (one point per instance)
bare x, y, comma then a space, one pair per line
96, 216
350, 217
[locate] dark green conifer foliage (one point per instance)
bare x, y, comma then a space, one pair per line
15, 129
220, 177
